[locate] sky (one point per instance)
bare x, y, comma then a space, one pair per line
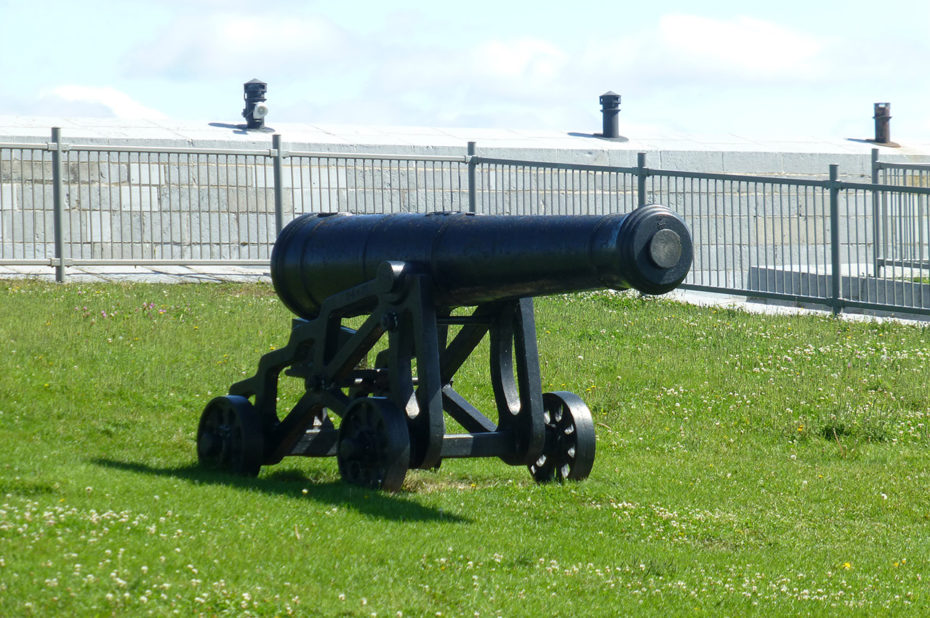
716, 67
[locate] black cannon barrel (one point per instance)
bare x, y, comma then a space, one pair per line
473, 259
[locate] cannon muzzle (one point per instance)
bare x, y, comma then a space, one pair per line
473, 259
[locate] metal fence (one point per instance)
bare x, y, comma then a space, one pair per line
66, 205
85, 205
903, 231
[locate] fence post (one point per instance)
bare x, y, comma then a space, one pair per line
835, 274
58, 206
278, 190
472, 196
876, 236
640, 179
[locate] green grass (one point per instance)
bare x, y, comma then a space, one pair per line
746, 464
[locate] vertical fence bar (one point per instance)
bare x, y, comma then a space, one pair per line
277, 160
835, 274
472, 197
876, 240
58, 206
640, 179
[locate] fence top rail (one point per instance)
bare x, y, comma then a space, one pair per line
375, 157
917, 167
582, 167
770, 180
256, 152
71, 147
167, 150
648, 171
880, 188
15, 146
795, 182
479, 160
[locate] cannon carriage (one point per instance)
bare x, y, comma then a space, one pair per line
410, 275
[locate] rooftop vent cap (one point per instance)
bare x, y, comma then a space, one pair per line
255, 107
610, 108
882, 123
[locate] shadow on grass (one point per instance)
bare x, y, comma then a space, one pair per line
291, 483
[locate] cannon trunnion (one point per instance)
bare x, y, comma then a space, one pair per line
409, 274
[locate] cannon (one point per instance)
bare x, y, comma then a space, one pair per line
422, 291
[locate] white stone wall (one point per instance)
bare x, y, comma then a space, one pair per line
188, 206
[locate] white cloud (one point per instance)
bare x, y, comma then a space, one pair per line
494, 83
523, 62
219, 45
313, 64
417, 67
531, 81
743, 45
683, 49
99, 101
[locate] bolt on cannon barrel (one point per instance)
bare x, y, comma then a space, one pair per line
473, 259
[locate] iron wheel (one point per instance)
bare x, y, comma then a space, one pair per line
374, 445
229, 437
570, 441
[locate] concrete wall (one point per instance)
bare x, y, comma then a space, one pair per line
214, 206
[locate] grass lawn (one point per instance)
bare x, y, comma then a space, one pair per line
746, 464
